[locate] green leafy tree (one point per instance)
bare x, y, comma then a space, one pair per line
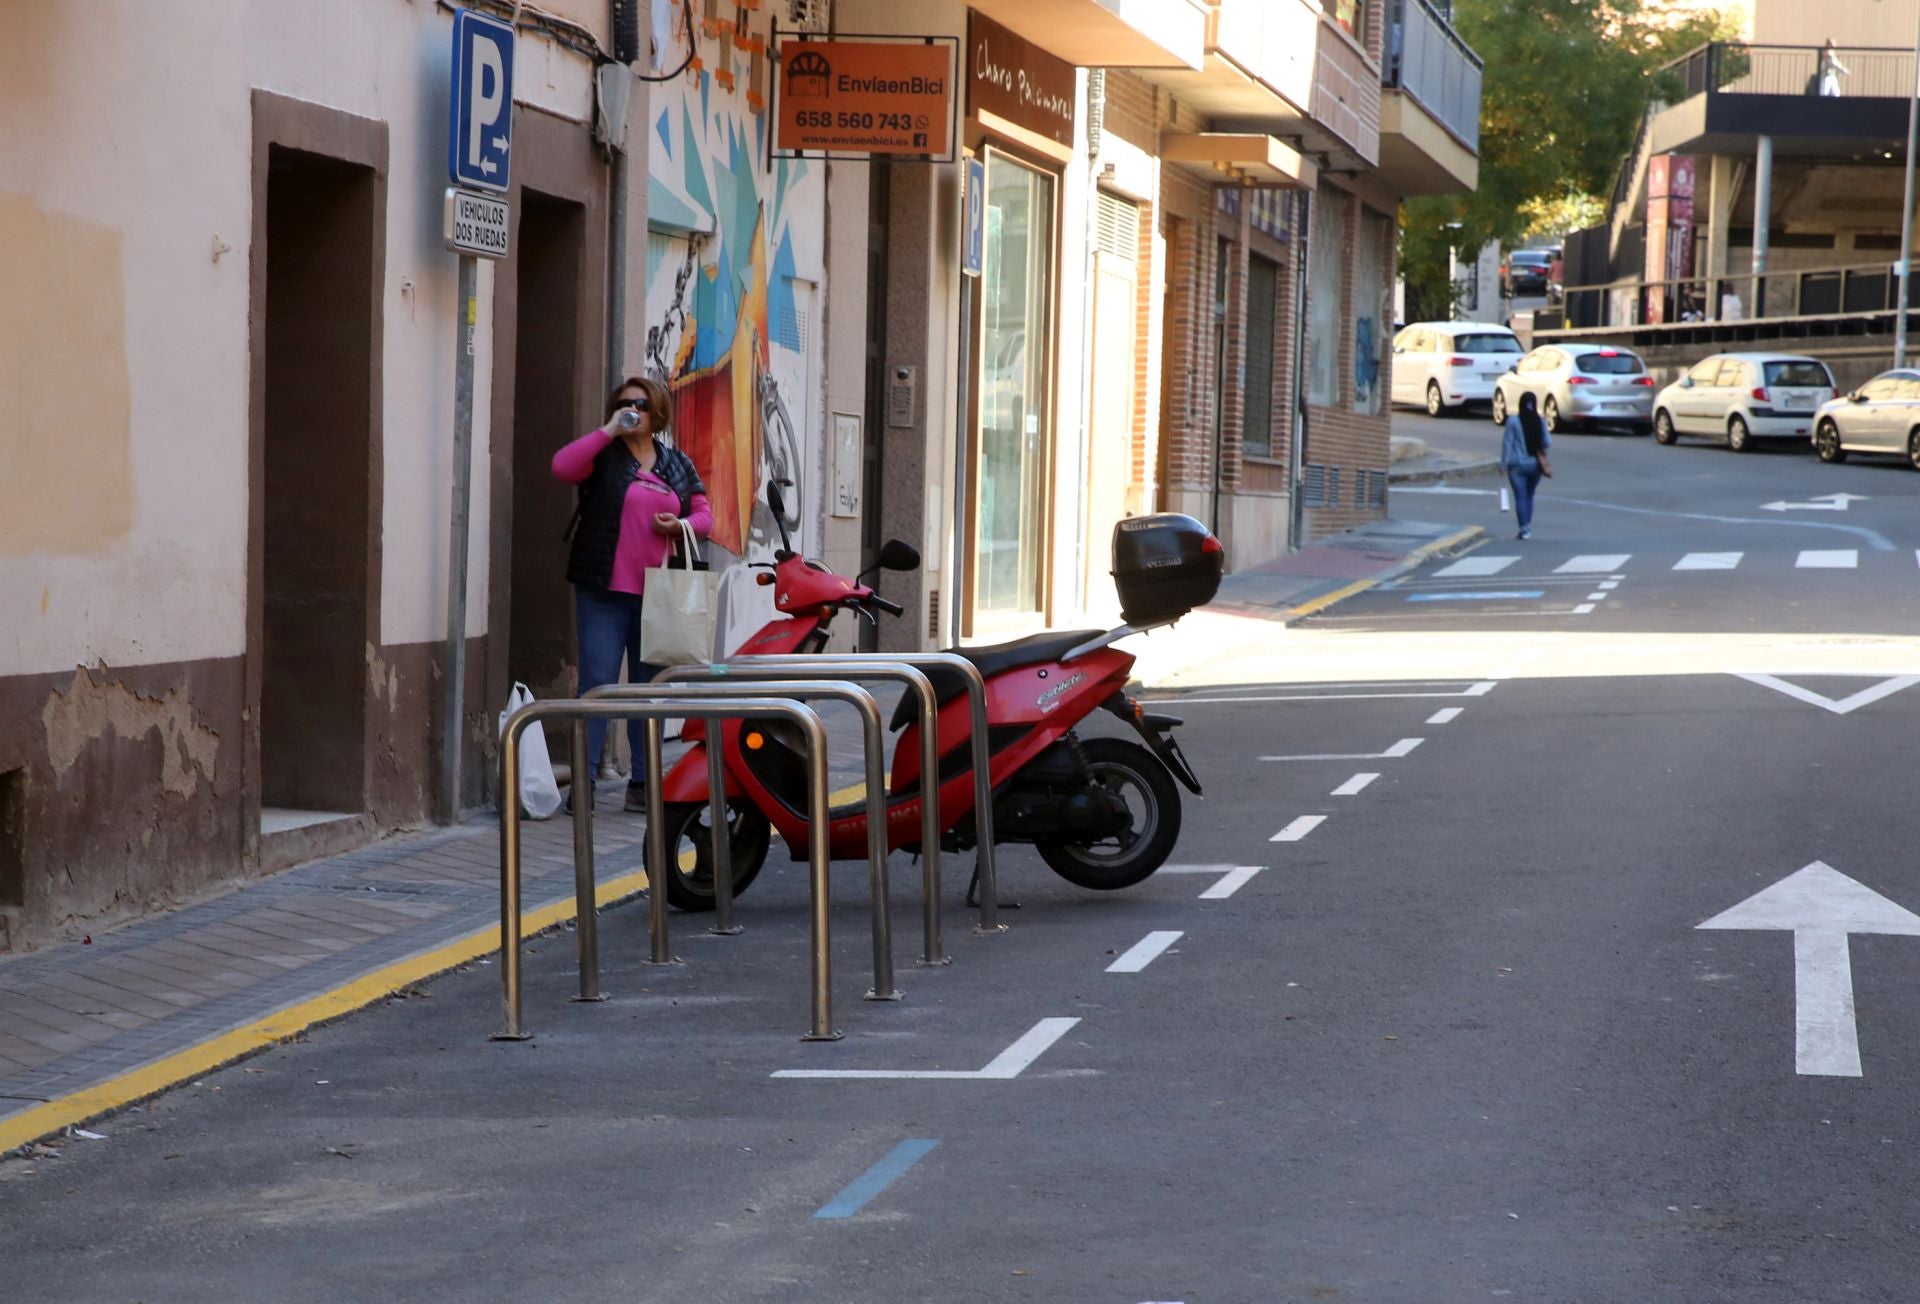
1567, 83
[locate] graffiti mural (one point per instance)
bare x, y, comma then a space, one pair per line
734, 254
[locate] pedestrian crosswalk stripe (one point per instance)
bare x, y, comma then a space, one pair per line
1590, 564
1836, 559
1709, 561
1477, 566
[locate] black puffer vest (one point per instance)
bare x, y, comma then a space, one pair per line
603, 498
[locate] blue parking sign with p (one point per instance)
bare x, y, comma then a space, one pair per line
481, 123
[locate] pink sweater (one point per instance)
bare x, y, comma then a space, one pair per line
639, 548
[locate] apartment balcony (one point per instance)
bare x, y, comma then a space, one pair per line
1430, 107
1284, 68
1731, 93
1107, 33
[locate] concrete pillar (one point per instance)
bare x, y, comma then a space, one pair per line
1762, 221
1721, 181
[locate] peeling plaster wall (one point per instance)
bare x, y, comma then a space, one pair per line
131, 789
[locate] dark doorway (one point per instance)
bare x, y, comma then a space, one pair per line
551, 252
317, 552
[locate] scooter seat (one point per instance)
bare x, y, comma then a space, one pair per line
991, 660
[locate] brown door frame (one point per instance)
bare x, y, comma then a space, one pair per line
555, 158
282, 122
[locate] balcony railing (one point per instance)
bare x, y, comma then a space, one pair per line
1427, 59
1740, 68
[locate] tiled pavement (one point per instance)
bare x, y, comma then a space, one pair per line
76, 1016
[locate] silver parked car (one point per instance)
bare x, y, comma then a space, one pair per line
1882, 416
1741, 397
1579, 384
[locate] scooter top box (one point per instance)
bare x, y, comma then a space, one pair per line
1164, 566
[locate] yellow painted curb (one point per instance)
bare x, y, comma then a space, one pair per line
150, 1079
1414, 558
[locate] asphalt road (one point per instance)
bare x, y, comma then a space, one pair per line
1458, 1036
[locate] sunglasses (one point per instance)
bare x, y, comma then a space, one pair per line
637, 404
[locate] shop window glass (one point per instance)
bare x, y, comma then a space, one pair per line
1015, 290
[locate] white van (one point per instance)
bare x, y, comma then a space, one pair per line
1445, 365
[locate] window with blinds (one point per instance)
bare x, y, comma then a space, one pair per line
1116, 227
1263, 285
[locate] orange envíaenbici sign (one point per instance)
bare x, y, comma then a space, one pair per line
865, 97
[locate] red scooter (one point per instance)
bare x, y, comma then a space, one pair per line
1103, 812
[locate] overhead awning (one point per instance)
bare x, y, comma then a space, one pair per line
1107, 33
1236, 158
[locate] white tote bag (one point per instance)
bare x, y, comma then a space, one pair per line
539, 791
678, 614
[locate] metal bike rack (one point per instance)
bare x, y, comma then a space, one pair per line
666, 702
874, 739
891, 665
747, 670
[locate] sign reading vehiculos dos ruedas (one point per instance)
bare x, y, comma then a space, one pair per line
1011, 78
865, 97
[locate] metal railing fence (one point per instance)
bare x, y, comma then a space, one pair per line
1742, 68
1429, 60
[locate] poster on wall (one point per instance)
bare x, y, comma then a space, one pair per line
862, 99
735, 269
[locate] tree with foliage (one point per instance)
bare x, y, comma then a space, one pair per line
1566, 85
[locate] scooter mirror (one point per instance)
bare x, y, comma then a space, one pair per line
899, 555
776, 501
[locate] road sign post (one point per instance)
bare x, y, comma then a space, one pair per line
479, 141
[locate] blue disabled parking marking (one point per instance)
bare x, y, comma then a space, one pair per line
1477, 597
876, 1179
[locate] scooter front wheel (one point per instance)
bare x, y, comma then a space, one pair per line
690, 852
1141, 779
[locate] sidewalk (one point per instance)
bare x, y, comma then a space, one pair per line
1252, 602
89, 1028
1419, 463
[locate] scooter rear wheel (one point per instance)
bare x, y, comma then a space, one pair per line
690, 852
1143, 780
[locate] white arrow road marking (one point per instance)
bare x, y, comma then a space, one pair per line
1394, 752
1144, 952
1818, 503
1840, 706
1828, 559
1820, 906
1236, 877
1004, 1067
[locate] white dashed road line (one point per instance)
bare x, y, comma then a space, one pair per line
1709, 561
1299, 828
1447, 716
1144, 952
1593, 564
1358, 783
1834, 559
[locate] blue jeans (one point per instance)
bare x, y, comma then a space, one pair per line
1524, 482
609, 627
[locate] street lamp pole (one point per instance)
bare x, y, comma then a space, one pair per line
1906, 210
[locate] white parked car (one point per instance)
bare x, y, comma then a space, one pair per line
1741, 397
1578, 384
1882, 416
1443, 365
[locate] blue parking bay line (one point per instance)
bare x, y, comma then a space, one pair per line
1511, 595
876, 1179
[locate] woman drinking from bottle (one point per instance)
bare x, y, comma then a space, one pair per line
635, 490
